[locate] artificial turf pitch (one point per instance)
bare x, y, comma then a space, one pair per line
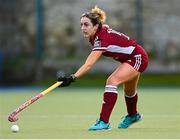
67, 113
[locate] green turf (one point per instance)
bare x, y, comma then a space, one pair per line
67, 113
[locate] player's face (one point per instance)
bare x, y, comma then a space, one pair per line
87, 28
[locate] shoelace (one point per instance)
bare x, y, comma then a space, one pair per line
126, 119
97, 122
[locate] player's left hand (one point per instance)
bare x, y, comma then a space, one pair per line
67, 80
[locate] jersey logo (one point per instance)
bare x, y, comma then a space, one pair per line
97, 43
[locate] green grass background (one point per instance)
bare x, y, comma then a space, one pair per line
154, 80
67, 113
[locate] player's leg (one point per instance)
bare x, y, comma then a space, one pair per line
131, 98
122, 74
109, 100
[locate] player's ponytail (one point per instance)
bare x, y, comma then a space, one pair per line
100, 13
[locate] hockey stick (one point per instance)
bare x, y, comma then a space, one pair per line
13, 116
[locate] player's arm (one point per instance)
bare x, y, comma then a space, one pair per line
90, 61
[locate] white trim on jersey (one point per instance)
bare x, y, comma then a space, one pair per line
119, 49
99, 48
138, 61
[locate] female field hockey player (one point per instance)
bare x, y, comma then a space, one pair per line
128, 52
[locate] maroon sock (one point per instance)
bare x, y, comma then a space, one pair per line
131, 104
109, 101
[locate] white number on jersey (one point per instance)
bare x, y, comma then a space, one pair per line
118, 33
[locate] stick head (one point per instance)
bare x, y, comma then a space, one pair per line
12, 117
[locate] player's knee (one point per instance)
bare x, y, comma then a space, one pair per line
129, 92
113, 81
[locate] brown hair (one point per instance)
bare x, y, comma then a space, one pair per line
96, 15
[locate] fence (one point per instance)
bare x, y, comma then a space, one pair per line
40, 37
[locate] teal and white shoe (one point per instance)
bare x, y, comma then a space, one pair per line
100, 125
129, 120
